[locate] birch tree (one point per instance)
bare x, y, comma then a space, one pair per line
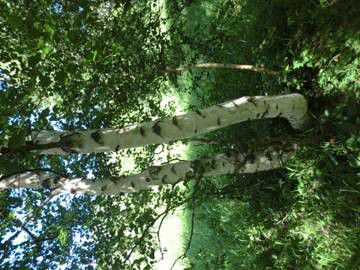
292, 107
87, 68
173, 173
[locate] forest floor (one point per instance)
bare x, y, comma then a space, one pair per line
308, 215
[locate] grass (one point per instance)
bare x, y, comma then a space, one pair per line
307, 216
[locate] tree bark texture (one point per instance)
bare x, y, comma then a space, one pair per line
293, 107
172, 173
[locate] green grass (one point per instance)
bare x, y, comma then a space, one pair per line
304, 217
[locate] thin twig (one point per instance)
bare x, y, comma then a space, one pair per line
158, 235
128, 256
39, 207
5, 245
182, 256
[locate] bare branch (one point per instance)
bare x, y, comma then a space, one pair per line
227, 66
158, 234
138, 242
27, 220
182, 256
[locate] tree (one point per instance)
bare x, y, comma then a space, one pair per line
90, 65
172, 173
69, 65
293, 107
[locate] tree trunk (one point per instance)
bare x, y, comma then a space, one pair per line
171, 173
221, 65
293, 107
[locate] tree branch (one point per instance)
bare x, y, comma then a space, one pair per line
182, 256
158, 234
138, 242
222, 65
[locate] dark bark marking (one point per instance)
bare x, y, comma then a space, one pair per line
103, 188
157, 129
268, 156
173, 169
46, 183
265, 112
252, 100
117, 148
213, 164
69, 141
148, 179
97, 137
175, 122
251, 158
293, 107
257, 115
195, 131
277, 107
114, 179
163, 179
199, 113
142, 131
218, 121
234, 103
132, 184
56, 180
279, 115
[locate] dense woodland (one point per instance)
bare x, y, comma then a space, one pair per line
267, 182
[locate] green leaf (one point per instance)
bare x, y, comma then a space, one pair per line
94, 54
45, 50
49, 30
63, 236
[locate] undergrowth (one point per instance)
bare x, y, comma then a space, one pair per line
307, 216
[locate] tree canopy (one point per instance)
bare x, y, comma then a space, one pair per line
68, 65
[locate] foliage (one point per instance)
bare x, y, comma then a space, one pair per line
67, 65
307, 217
91, 64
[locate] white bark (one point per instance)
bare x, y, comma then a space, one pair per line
293, 107
154, 176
